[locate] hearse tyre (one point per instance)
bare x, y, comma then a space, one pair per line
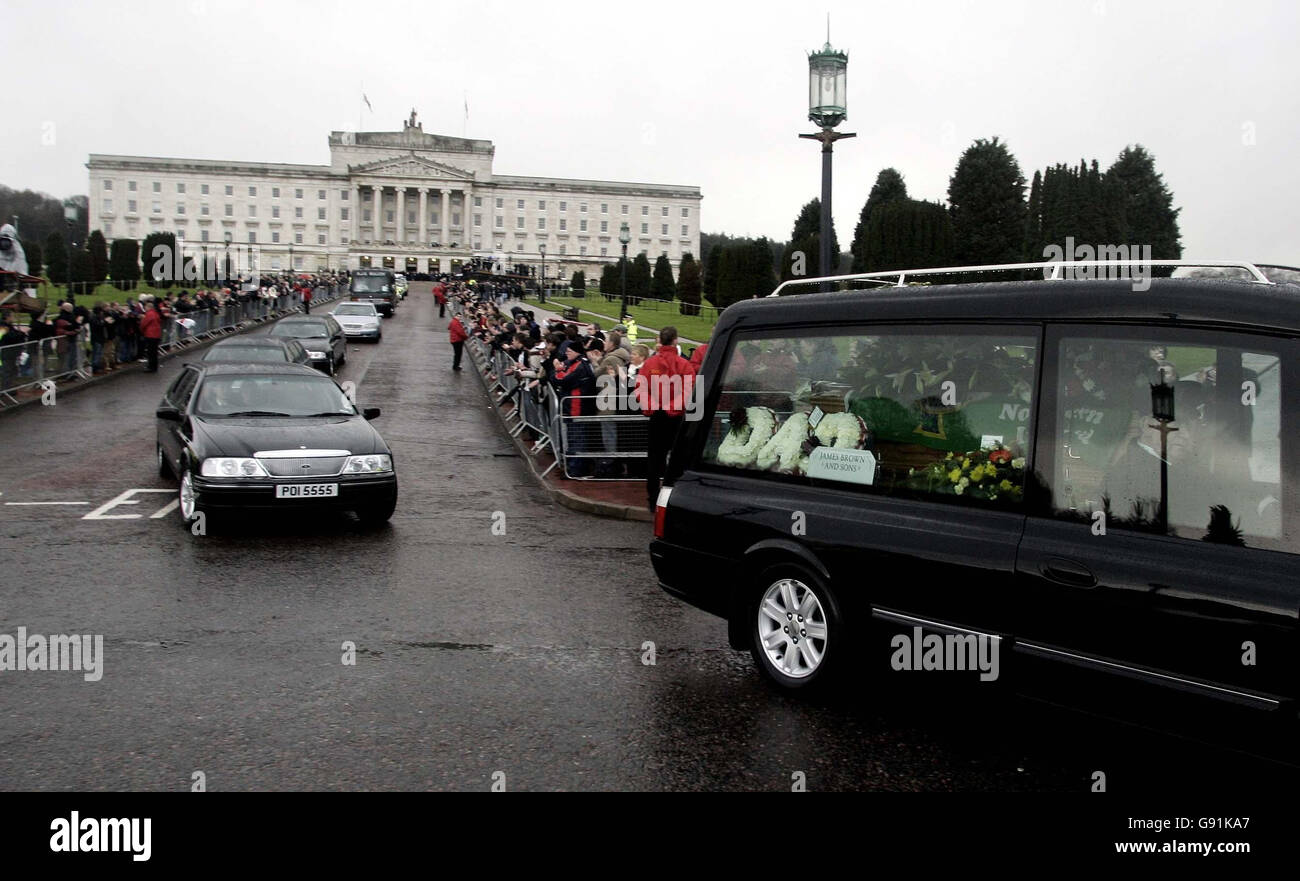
796, 633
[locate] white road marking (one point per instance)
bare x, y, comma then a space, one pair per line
46, 503
101, 513
171, 506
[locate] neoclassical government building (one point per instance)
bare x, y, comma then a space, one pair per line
406, 200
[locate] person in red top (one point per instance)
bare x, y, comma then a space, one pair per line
456, 331
306, 299
440, 297
697, 357
663, 384
151, 333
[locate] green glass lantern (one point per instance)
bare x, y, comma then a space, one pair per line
828, 74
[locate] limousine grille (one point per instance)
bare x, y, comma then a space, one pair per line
303, 463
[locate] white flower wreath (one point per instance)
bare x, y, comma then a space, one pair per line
741, 445
841, 431
783, 449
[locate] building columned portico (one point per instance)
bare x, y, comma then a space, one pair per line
406, 200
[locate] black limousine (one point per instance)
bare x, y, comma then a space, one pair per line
276, 437
1081, 471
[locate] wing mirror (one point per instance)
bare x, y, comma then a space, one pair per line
171, 414
370, 413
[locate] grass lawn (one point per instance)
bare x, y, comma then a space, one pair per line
104, 293
648, 315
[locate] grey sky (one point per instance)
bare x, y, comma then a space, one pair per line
691, 93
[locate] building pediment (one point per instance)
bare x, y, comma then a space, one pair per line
411, 166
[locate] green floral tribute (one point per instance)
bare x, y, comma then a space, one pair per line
984, 474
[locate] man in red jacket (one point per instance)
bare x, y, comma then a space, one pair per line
151, 333
456, 331
663, 384
440, 297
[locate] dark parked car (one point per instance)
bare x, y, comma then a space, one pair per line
258, 350
320, 335
1085, 472
277, 437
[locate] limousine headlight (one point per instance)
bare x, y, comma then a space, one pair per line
314, 354
368, 464
232, 467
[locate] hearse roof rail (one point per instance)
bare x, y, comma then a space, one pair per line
1060, 269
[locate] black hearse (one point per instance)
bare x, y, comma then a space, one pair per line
1082, 471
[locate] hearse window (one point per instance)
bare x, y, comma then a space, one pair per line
902, 411
1208, 417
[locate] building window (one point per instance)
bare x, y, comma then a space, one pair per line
297, 212
252, 191
582, 207
686, 212
108, 185
203, 189
180, 207
203, 235
297, 238
343, 214
686, 230
500, 222
519, 223
343, 195
297, 193
157, 186
604, 252
478, 202
520, 204
275, 238
564, 224
230, 210
625, 211
275, 192
130, 206
130, 185
365, 197
664, 232
230, 190
320, 214
252, 237
203, 209
252, 210
410, 218
108, 206
365, 215
157, 207
501, 203
478, 219
645, 210
604, 207
478, 244
388, 214
564, 206
563, 250
541, 204
180, 187
275, 210
645, 229
320, 238
604, 226
108, 230
320, 194
541, 223
582, 251
455, 219
433, 218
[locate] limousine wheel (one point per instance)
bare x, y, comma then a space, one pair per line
796, 623
164, 467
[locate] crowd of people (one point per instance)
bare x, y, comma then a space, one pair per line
116, 333
593, 373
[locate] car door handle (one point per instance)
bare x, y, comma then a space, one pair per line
1068, 572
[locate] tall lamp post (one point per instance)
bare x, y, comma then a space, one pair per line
228, 240
70, 215
828, 72
624, 236
1162, 408
541, 282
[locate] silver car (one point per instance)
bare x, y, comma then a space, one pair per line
360, 321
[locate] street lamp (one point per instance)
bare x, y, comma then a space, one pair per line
1162, 408
291, 257
228, 240
70, 215
541, 282
827, 107
624, 236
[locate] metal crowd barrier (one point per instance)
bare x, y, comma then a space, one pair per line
32, 363
37, 361
604, 437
